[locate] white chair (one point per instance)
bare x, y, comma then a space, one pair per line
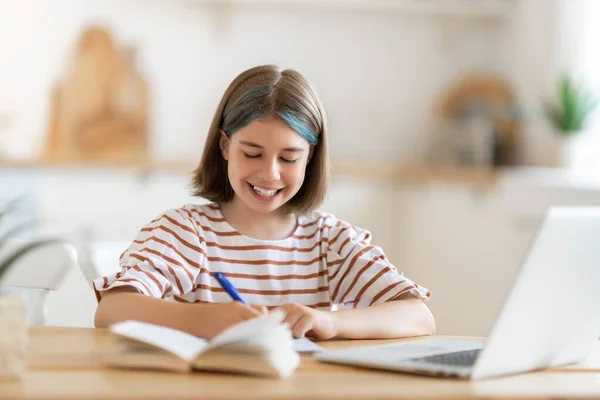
37, 273
98, 259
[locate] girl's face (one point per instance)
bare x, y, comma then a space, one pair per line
266, 163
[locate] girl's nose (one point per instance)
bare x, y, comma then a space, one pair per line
270, 171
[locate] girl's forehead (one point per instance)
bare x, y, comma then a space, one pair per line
270, 133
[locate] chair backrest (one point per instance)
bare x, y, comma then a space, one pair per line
36, 273
98, 259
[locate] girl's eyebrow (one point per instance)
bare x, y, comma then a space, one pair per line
258, 146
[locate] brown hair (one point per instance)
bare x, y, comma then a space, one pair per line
259, 92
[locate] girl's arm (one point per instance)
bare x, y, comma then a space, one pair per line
202, 320
407, 316
404, 317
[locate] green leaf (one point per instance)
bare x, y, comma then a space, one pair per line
8, 208
7, 262
573, 108
12, 232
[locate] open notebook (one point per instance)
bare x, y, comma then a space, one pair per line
258, 346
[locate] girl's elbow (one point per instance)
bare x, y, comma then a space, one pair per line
108, 310
429, 326
101, 319
99, 322
112, 306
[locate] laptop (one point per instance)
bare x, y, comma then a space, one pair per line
551, 316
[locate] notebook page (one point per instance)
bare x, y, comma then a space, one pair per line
252, 328
179, 343
304, 345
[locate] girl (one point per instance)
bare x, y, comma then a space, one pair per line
264, 169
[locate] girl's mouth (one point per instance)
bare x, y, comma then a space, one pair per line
264, 193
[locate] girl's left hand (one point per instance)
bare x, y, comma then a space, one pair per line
306, 321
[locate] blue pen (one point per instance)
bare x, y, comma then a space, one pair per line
224, 282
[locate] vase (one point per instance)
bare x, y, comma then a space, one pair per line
13, 336
578, 151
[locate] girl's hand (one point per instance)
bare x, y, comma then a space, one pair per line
221, 316
305, 321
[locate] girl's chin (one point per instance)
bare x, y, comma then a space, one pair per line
262, 208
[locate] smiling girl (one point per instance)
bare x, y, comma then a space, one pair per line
265, 170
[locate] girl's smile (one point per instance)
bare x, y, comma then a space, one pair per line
264, 194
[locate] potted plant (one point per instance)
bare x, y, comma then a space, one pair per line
13, 309
569, 116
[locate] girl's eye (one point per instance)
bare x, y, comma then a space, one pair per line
285, 160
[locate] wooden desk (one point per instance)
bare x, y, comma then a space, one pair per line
64, 363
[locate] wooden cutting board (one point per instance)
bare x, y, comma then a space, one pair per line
100, 107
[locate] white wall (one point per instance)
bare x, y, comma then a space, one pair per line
376, 71
532, 51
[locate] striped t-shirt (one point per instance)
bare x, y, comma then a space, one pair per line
324, 262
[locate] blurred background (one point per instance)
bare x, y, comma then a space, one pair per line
454, 124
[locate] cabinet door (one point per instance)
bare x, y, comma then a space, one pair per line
464, 246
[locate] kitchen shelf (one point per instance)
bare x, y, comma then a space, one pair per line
465, 8
396, 173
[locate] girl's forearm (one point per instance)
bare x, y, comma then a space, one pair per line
121, 305
395, 319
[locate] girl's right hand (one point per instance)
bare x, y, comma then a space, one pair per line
220, 316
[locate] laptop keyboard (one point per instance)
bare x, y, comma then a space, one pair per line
461, 358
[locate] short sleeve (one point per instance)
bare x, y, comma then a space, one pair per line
359, 273
164, 260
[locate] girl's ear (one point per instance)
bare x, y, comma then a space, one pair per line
224, 145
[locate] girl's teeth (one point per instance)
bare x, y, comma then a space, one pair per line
263, 192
